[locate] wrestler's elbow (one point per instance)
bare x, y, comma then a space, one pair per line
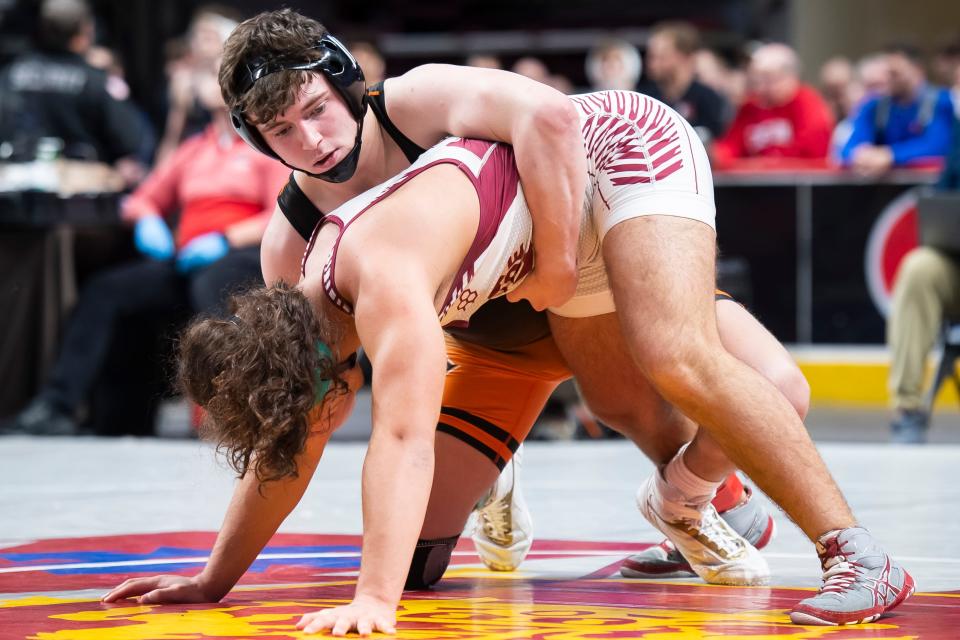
411, 439
556, 117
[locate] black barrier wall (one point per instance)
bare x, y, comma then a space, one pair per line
805, 240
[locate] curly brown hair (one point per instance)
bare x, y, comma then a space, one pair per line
255, 373
283, 34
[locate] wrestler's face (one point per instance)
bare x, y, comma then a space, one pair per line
316, 132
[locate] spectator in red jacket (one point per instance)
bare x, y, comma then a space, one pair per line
782, 118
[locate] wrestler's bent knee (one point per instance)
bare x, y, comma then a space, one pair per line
430, 560
791, 382
684, 370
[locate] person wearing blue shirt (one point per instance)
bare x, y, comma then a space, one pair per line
915, 121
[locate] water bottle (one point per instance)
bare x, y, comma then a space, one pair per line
44, 173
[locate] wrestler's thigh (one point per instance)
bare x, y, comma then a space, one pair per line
750, 342
490, 401
744, 337
615, 389
662, 273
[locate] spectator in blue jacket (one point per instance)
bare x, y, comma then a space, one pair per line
914, 122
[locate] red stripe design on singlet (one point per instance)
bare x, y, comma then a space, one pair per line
652, 155
496, 188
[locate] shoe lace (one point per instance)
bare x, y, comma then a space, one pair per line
839, 574
496, 520
710, 530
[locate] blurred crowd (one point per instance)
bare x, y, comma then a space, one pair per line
869, 115
198, 202
196, 226
750, 106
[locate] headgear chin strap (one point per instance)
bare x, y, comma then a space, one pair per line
345, 76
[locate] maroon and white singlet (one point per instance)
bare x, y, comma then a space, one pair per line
643, 159
500, 255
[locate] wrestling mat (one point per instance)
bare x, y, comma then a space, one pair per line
565, 590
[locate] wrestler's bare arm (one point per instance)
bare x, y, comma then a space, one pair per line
403, 338
398, 327
252, 518
281, 250
541, 123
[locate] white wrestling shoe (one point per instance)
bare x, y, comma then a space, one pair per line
716, 552
750, 518
503, 530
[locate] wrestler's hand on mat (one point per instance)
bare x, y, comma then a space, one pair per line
547, 286
362, 615
160, 590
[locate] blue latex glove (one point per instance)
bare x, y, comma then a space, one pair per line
153, 238
201, 251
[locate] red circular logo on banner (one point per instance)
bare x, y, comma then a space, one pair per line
892, 237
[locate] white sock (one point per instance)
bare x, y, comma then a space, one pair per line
694, 489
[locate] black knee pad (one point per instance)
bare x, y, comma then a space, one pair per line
430, 560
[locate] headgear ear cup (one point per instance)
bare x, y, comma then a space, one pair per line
349, 80
251, 135
345, 76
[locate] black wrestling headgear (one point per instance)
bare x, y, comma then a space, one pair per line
345, 76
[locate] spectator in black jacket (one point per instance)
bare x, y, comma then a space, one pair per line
671, 71
52, 92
